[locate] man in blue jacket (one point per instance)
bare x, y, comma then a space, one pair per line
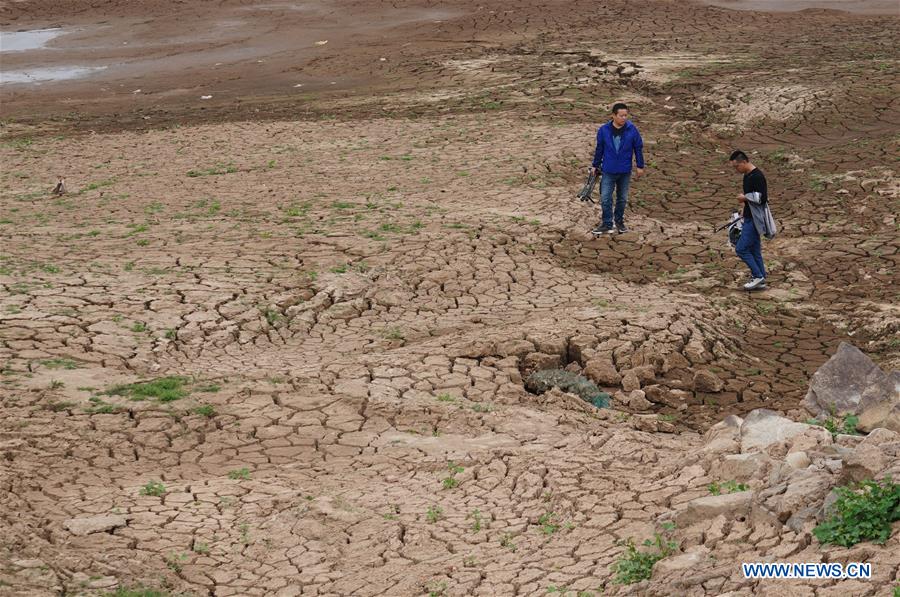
617, 141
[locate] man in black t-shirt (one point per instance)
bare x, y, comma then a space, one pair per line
754, 199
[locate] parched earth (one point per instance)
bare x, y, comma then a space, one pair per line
343, 290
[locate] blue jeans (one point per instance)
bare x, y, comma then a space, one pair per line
620, 182
749, 248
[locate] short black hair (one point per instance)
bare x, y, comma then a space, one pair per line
738, 156
618, 106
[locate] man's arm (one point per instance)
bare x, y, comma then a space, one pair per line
639, 150
598, 152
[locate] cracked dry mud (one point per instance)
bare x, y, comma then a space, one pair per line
350, 301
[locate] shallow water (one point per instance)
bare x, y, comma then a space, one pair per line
38, 75
19, 41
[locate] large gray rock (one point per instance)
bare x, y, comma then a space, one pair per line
763, 428
730, 505
850, 383
724, 436
602, 371
884, 413
689, 560
94, 524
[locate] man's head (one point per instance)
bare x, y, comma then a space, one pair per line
740, 161
619, 114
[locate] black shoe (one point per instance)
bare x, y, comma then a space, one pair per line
602, 229
620, 228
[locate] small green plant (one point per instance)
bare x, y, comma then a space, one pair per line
634, 566
173, 561
450, 482
56, 384
164, 389
207, 410
272, 316
434, 514
837, 425
897, 591
218, 169
731, 486
137, 591
201, 548
244, 529
548, 526
153, 488
482, 408
507, 542
862, 512
393, 333
446, 398
475, 515
139, 326
241, 473
436, 588
339, 269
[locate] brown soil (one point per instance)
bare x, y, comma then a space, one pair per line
353, 279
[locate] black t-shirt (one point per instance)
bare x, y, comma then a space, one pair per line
617, 132
755, 182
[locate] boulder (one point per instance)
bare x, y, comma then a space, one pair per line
731, 505
724, 436
804, 488
797, 460
634, 400
602, 371
763, 428
850, 383
94, 524
688, 560
865, 462
535, 361
707, 381
742, 467
885, 414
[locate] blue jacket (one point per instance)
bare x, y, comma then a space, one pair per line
610, 161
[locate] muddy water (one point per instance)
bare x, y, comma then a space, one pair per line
870, 7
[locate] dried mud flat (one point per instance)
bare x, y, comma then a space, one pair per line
344, 291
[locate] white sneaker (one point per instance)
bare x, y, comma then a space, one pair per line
755, 283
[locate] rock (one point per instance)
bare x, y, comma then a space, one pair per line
884, 414
812, 439
742, 467
730, 505
602, 371
628, 71
706, 381
879, 437
763, 428
803, 488
850, 383
865, 462
536, 361
517, 348
94, 524
630, 381
659, 394
690, 559
635, 400
724, 436
797, 460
